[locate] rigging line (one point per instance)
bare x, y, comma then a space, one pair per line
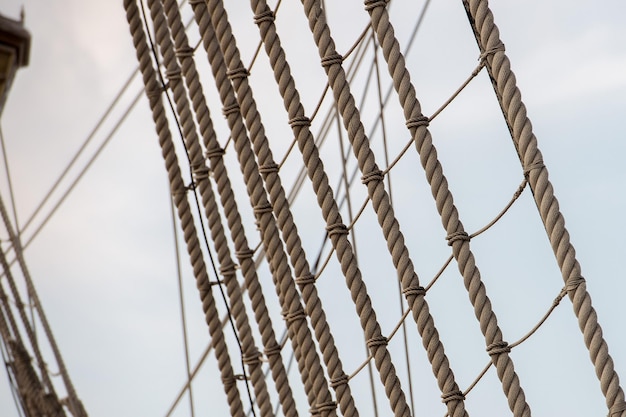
99, 124
383, 127
407, 51
84, 170
182, 304
198, 209
76, 180
344, 154
80, 150
17, 227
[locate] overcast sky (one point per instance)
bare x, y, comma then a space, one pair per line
105, 269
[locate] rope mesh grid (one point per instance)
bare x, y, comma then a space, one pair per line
329, 378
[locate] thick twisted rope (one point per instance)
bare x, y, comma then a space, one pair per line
184, 213
509, 97
458, 239
372, 177
313, 304
315, 384
330, 211
201, 179
242, 250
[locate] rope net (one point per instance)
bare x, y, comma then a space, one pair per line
305, 148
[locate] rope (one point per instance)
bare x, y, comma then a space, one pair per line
316, 387
182, 206
457, 237
268, 168
525, 142
218, 236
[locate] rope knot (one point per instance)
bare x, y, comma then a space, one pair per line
272, 350
200, 170
182, 190
337, 229
376, 341
269, 168
340, 380
572, 284
214, 152
231, 380
184, 52
294, 315
236, 73
307, 279
300, 121
244, 254
414, 290
173, 74
266, 16
252, 358
374, 175
228, 269
332, 59
374, 4
417, 122
262, 208
538, 164
491, 51
453, 237
154, 93
498, 347
455, 395
327, 406
230, 109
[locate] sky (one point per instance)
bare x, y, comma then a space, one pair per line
105, 266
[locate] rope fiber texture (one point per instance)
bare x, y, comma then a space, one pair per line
457, 237
182, 206
309, 364
525, 142
242, 249
299, 296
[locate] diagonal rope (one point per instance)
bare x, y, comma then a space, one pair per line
306, 354
525, 142
179, 194
457, 237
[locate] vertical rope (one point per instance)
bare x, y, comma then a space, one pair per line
178, 190
525, 142
309, 365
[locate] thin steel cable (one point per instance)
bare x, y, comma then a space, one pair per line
200, 173
242, 250
509, 97
288, 296
177, 187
